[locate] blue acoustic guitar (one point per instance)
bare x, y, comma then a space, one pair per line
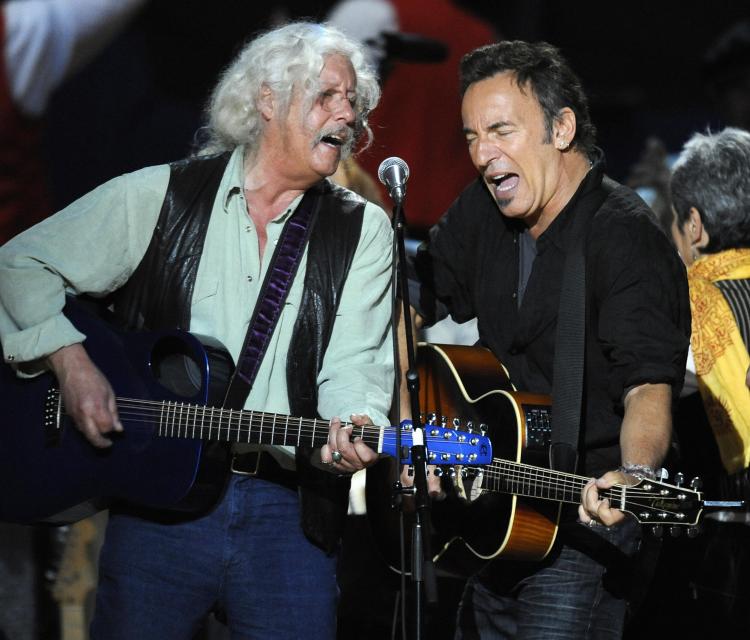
174, 450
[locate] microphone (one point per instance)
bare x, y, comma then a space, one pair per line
393, 172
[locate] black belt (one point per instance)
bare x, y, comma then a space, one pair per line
261, 464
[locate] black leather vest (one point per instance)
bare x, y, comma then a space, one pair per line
159, 294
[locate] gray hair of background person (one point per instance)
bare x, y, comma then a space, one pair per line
543, 68
712, 174
286, 59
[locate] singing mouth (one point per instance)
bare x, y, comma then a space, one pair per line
333, 140
504, 181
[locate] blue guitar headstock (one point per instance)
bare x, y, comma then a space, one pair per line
444, 445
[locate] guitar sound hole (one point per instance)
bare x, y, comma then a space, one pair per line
175, 367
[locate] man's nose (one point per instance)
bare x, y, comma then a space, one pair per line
344, 112
485, 152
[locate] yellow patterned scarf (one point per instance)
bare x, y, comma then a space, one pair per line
721, 358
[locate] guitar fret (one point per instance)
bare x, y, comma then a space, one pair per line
249, 429
181, 421
273, 428
174, 419
286, 429
196, 409
299, 431
161, 419
182, 426
203, 416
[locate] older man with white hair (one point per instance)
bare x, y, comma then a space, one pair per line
189, 245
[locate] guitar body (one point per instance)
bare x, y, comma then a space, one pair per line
474, 523
51, 473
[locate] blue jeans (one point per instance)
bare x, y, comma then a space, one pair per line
570, 596
248, 556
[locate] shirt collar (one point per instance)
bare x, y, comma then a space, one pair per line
233, 184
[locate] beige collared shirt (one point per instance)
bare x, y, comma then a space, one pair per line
94, 245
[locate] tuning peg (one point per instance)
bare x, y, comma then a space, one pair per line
657, 530
696, 484
456, 423
443, 421
675, 531
431, 418
679, 478
693, 531
662, 474
439, 472
483, 429
452, 472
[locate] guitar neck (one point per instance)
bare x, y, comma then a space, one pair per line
179, 420
507, 476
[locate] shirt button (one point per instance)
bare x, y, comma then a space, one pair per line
10, 358
248, 228
515, 295
249, 278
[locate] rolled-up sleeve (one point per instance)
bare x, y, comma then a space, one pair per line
92, 246
643, 307
357, 371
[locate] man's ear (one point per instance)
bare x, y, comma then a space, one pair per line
266, 102
564, 128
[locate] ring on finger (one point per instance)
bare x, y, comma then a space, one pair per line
336, 456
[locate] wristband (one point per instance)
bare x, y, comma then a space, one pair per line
642, 471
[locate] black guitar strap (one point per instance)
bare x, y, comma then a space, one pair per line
273, 293
570, 339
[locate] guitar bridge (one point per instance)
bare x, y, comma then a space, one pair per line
52, 417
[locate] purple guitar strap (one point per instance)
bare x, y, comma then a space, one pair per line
273, 293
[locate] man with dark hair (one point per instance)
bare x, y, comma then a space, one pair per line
499, 254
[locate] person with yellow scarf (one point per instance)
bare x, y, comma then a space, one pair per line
710, 192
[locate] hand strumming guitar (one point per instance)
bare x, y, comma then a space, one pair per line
87, 395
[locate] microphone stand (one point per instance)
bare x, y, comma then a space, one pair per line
422, 570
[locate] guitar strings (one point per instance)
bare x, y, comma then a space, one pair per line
177, 419
571, 485
187, 419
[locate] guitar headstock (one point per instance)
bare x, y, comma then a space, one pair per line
657, 503
446, 446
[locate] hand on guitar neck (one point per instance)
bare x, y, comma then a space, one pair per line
594, 509
87, 395
355, 454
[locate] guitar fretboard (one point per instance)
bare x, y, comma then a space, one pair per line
179, 420
507, 476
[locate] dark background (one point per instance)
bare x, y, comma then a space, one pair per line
140, 102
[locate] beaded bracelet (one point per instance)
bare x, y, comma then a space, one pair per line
639, 471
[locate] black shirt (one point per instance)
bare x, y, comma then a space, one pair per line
639, 315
